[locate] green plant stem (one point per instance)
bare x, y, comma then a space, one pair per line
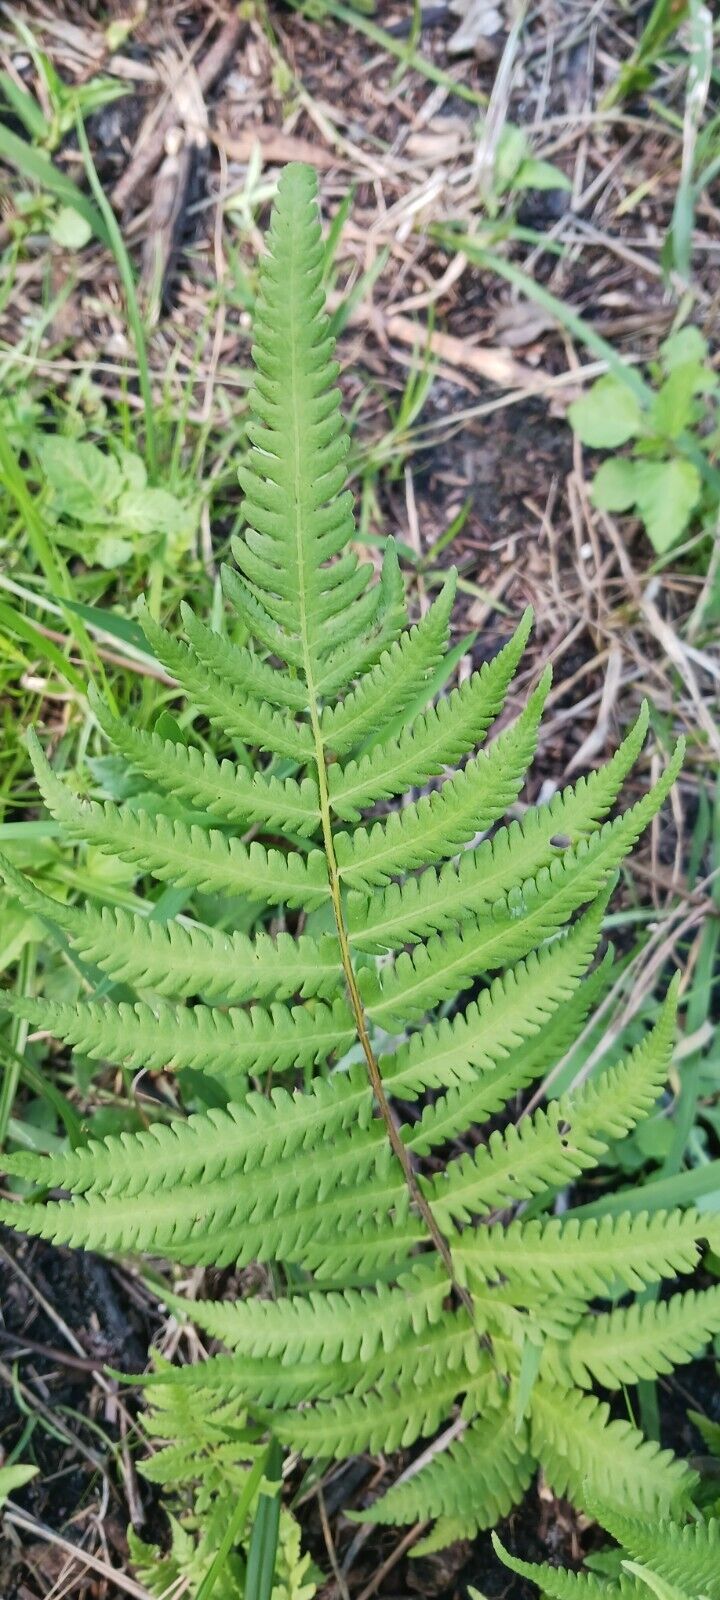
398, 1147
233, 1530
19, 1030
122, 258
262, 1550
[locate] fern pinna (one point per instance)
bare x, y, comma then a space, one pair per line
420, 980
667, 1559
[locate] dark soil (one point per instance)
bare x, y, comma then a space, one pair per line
50, 1399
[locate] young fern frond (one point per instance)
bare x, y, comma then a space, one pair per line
671, 1560
558, 1585
410, 961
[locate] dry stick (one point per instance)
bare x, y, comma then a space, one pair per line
410, 1538
330, 1547
19, 1519
146, 157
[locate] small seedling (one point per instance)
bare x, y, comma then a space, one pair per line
102, 507
656, 481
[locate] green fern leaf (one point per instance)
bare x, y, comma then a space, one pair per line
555, 1145
477, 1480
641, 1341
241, 667
559, 1585
396, 680
688, 1556
238, 715
258, 1134
434, 826
184, 958
208, 1222
595, 1254
431, 972
389, 1420
586, 1455
164, 1036
402, 1299
192, 857
348, 1326
434, 740
341, 666
440, 898
477, 1047
226, 792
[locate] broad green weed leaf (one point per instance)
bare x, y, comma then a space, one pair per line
69, 229
86, 480
14, 1478
534, 174
673, 409
607, 416
686, 345
111, 552
153, 511
133, 469
667, 494
614, 487
512, 151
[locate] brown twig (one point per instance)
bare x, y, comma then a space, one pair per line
151, 147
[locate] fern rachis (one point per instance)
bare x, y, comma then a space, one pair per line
415, 1297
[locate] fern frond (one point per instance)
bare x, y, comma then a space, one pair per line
442, 897
236, 713
545, 1150
689, 1556
445, 1356
348, 1326
277, 1216
616, 1099
477, 1480
435, 739
558, 1585
479, 1050
401, 1298
387, 1420
190, 856
640, 1341
240, 666
556, 1037
259, 1134
342, 666
160, 1035
709, 1431
181, 958
297, 517
433, 827
592, 1458
395, 682
226, 792
431, 972
631, 1250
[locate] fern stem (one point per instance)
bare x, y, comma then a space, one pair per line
305, 635
399, 1149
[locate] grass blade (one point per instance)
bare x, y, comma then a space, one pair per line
32, 164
